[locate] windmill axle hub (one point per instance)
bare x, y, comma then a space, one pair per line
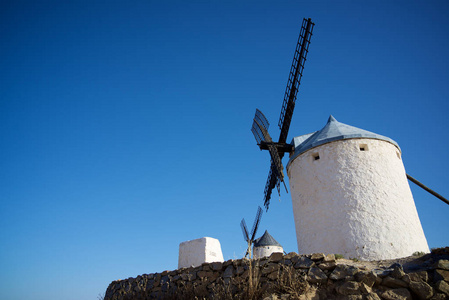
281, 147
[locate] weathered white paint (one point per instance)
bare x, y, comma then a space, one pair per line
196, 252
264, 251
355, 203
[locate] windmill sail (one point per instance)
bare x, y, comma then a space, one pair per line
249, 237
244, 230
294, 79
256, 223
275, 176
272, 182
260, 131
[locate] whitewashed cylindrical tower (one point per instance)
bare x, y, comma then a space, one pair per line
266, 245
351, 196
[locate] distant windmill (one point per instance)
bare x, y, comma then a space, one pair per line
249, 237
260, 123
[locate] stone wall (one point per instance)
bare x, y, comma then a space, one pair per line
293, 276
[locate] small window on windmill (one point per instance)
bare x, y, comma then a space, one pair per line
316, 156
363, 147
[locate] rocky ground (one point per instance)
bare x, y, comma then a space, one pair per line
410, 264
421, 276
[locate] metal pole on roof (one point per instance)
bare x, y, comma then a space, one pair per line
427, 189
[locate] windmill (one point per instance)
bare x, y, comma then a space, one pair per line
249, 237
260, 123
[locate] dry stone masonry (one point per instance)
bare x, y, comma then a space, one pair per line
293, 276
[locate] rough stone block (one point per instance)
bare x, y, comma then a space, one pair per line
443, 287
228, 262
287, 262
239, 270
165, 279
393, 282
229, 272
366, 277
270, 268
329, 258
290, 255
202, 274
382, 272
416, 276
378, 280
422, 289
342, 271
442, 264
349, 288
397, 294
304, 263
372, 296
398, 271
192, 275
351, 297
439, 296
327, 265
216, 266
316, 275
262, 262
365, 289
276, 256
273, 275
317, 256
441, 274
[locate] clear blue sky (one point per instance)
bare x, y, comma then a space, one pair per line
125, 126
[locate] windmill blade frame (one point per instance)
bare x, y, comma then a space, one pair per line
272, 181
244, 230
260, 117
256, 223
260, 127
294, 79
246, 234
275, 176
260, 131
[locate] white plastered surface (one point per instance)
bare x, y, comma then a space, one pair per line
264, 251
355, 203
196, 252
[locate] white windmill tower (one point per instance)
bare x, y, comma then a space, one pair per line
349, 188
351, 196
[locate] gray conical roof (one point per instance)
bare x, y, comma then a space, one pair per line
266, 240
332, 131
